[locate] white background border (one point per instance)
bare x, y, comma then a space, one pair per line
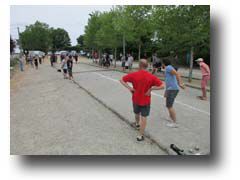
224, 165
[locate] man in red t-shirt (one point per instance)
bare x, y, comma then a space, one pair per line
143, 83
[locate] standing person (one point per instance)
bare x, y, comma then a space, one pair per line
145, 56
21, 61
40, 59
64, 67
76, 57
130, 62
52, 59
143, 83
31, 60
69, 67
156, 63
43, 57
172, 81
62, 57
205, 77
123, 59
107, 62
36, 62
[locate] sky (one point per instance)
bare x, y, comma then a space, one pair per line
71, 18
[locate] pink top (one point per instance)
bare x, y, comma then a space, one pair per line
205, 69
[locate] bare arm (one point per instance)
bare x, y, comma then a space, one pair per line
125, 84
148, 93
179, 79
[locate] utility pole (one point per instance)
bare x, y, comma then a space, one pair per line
191, 66
124, 52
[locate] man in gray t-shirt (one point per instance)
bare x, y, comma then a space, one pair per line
130, 62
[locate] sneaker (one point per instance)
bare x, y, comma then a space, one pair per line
137, 126
172, 125
140, 138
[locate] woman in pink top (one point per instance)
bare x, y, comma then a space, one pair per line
205, 77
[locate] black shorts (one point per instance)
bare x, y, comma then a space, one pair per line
65, 71
142, 110
170, 97
157, 65
70, 72
123, 64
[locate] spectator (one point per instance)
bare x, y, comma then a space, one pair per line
21, 61
143, 83
205, 77
65, 67
69, 67
173, 81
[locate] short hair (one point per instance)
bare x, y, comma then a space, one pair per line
143, 63
166, 62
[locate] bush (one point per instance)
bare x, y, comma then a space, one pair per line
13, 61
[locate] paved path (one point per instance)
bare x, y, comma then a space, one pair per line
196, 81
50, 115
193, 115
53, 116
184, 71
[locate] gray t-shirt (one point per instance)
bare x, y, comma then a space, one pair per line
130, 60
123, 59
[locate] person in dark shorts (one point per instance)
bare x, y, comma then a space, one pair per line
64, 67
40, 59
107, 61
173, 81
52, 59
143, 83
156, 63
36, 62
76, 58
69, 67
123, 59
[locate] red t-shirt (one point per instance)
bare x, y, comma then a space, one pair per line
142, 81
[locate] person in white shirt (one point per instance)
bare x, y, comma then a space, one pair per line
130, 62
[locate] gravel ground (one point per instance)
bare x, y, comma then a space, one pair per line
52, 116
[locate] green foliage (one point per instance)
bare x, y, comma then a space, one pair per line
36, 37
179, 28
60, 39
14, 62
80, 40
39, 36
163, 29
91, 30
12, 45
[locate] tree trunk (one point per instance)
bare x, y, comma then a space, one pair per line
139, 51
124, 44
115, 58
191, 66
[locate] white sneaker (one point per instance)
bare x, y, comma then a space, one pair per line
172, 125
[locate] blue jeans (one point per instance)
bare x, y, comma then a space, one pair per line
21, 66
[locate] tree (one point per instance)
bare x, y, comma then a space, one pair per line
140, 29
60, 39
80, 40
182, 28
91, 30
106, 36
12, 45
36, 37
